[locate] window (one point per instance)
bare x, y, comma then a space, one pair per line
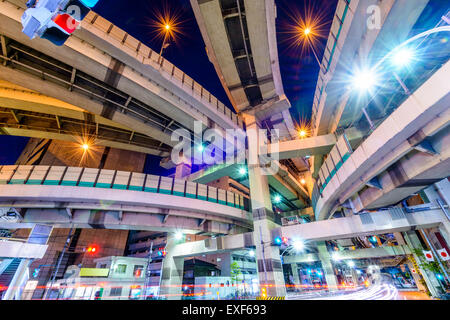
121, 268
138, 271
103, 265
115, 292
135, 292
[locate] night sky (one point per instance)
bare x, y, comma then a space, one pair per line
299, 68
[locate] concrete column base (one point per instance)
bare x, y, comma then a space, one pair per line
270, 269
172, 273
327, 267
295, 276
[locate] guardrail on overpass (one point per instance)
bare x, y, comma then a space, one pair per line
121, 180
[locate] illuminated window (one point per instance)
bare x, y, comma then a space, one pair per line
138, 271
115, 292
135, 292
121, 268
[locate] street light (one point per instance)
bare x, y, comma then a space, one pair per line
85, 146
277, 199
242, 171
302, 133
298, 245
308, 32
402, 57
335, 256
178, 235
364, 80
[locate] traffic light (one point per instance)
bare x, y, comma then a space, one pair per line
264, 292
162, 253
92, 249
278, 241
35, 272
281, 240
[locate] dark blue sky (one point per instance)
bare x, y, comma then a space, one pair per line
299, 69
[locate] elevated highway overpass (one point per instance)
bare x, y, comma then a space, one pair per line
94, 198
247, 64
358, 37
418, 123
24, 112
105, 71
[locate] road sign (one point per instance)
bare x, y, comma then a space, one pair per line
443, 254
428, 255
40, 234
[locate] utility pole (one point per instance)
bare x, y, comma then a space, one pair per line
147, 270
59, 262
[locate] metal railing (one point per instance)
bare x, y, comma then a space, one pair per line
121, 180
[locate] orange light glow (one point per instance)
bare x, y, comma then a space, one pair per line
303, 129
302, 181
166, 25
305, 28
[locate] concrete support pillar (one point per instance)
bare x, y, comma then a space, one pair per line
270, 271
401, 241
327, 266
294, 269
172, 273
183, 169
354, 277
414, 243
17, 283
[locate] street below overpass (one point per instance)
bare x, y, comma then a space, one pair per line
374, 292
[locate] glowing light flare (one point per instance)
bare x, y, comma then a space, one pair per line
242, 171
92, 249
402, 57
277, 199
365, 80
302, 181
335, 256
178, 235
251, 253
305, 28
298, 245
166, 24
303, 129
278, 240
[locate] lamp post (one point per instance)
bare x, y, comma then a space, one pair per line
166, 33
307, 32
